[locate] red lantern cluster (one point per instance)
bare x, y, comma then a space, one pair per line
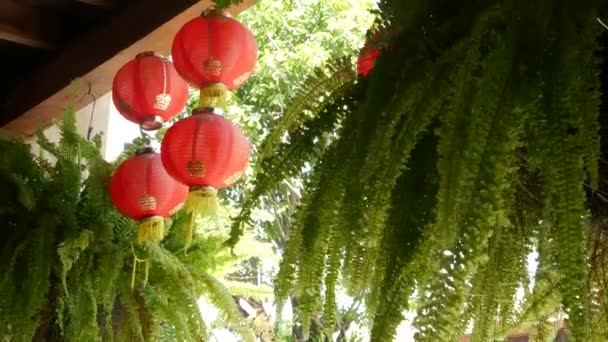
203, 152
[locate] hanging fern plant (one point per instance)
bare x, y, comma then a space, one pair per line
67, 256
469, 146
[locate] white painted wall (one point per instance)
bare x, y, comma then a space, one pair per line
119, 131
104, 118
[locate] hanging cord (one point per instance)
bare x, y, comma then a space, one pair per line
90, 93
602, 23
146, 137
137, 261
90, 128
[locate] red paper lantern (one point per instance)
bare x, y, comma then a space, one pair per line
149, 91
367, 60
142, 189
374, 46
205, 150
214, 53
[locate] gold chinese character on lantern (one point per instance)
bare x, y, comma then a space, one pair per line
195, 168
212, 66
147, 202
163, 100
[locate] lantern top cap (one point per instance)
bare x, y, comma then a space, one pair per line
150, 53
208, 110
145, 150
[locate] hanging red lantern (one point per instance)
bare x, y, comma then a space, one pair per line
148, 91
214, 53
142, 190
367, 60
206, 152
373, 48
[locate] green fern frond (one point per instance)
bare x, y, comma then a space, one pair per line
222, 299
325, 83
413, 199
463, 127
331, 280
248, 290
303, 145
69, 251
25, 194
563, 179
481, 191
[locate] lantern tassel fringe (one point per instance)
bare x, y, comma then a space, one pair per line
151, 229
214, 95
201, 202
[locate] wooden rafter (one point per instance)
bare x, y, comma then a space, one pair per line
23, 37
98, 3
94, 59
24, 25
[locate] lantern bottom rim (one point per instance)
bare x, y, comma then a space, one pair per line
151, 123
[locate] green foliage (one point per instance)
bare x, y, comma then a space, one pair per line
429, 177
305, 59
223, 4
308, 126
427, 185
67, 256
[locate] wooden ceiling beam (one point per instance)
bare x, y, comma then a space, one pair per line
23, 37
93, 59
98, 3
24, 25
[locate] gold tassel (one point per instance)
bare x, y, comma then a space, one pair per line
151, 229
201, 201
214, 95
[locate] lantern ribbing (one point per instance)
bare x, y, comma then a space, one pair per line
207, 152
148, 91
215, 54
142, 189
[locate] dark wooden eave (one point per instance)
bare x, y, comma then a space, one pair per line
38, 86
24, 25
